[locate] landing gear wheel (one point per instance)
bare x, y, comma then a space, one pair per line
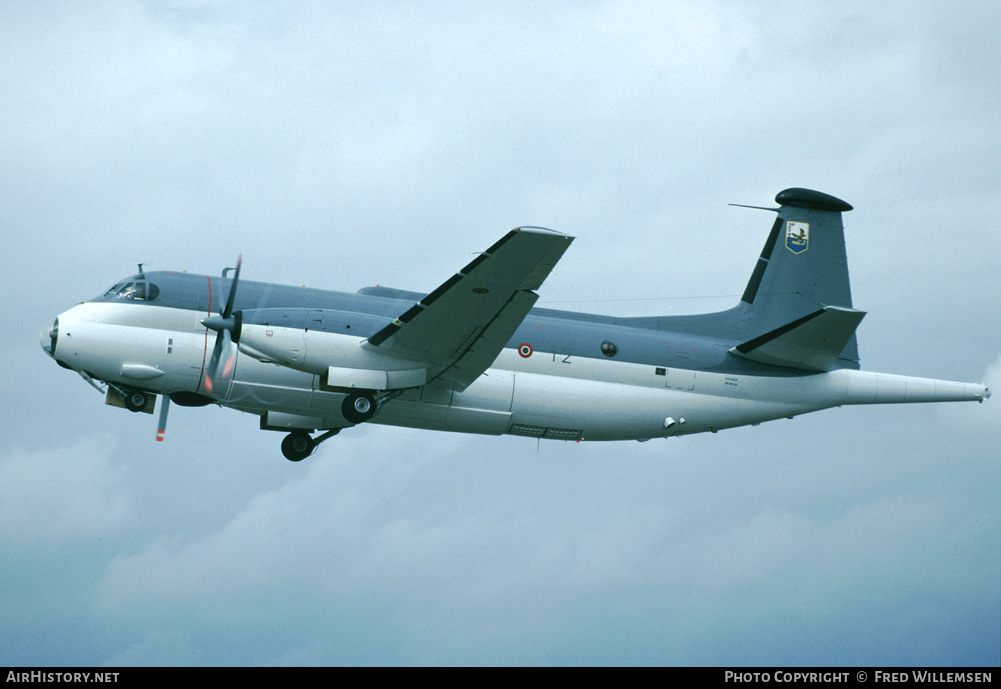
297, 446
358, 407
136, 400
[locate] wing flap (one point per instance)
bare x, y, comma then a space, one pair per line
811, 343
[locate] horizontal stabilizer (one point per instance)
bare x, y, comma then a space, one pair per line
811, 343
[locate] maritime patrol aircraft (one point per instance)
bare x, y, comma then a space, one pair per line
475, 356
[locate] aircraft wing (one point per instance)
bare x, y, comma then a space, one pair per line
459, 329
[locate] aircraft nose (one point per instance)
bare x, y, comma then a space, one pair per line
48, 337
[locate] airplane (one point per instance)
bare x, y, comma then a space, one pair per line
476, 356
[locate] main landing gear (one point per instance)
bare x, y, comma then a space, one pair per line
299, 444
358, 407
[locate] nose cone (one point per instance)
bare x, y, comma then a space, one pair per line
47, 338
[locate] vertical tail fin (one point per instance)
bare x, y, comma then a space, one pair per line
803, 266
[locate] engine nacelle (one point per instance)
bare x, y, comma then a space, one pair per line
340, 360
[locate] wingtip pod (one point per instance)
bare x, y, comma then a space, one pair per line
866, 387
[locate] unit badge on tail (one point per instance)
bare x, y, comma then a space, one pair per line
797, 236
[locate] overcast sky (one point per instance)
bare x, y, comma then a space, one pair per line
340, 145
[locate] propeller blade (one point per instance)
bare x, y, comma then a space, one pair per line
232, 289
227, 368
223, 346
161, 427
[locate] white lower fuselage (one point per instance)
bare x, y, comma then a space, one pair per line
551, 395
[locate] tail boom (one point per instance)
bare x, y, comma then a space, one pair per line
867, 387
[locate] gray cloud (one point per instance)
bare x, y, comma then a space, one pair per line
58, 494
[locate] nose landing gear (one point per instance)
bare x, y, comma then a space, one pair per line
136, 400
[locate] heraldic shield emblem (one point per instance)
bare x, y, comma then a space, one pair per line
797, 236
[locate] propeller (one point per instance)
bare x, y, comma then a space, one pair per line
228, 325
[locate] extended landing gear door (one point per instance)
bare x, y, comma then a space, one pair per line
340, 378
280, 421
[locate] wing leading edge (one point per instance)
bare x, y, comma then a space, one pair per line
459, 329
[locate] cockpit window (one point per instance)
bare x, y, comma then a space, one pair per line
137, 291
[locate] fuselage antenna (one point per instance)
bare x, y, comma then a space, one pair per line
759, 208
